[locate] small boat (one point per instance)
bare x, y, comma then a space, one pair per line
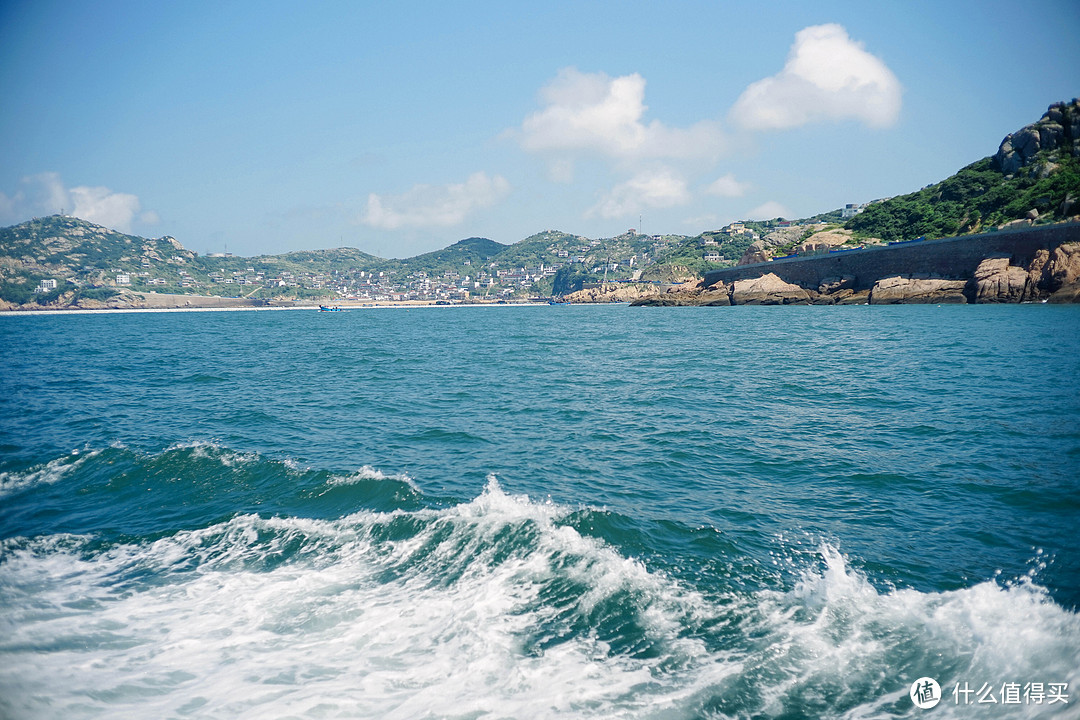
323, 308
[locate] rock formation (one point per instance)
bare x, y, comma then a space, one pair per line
996, 281
768, 290
1051, 276
1057, 130
756, 253
1063, 267
824, 240
715, 294
900, 289
611, 293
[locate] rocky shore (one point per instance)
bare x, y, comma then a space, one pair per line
1052, 276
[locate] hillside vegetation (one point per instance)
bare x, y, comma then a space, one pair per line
1034, 177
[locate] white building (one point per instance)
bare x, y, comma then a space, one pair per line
46, 285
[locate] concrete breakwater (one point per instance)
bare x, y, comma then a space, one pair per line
1026, 264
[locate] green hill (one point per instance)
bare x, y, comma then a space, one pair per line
1034, 176
81, 258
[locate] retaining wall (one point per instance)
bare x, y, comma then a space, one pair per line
948, 258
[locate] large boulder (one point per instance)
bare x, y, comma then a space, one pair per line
899, 289
1058, 131
756, 253
1062, 267
716, 294
768, 290
1035, 269
997, 281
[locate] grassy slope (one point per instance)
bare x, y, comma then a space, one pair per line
976, 199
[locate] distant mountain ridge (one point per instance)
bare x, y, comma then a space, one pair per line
61, 261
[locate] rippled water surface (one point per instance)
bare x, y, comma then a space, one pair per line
521, 512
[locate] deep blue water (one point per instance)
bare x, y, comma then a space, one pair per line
538, 511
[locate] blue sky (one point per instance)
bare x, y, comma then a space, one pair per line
399, 128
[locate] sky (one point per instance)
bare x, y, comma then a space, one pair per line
399, 128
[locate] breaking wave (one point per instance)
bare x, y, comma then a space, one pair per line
504, 606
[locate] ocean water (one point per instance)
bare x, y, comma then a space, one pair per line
541, 512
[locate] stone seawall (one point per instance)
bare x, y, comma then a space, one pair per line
955, 258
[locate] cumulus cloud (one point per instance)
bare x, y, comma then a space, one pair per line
655, 190
726, 186
46, 194
435, 205
828, 76
104, 207
597, 113
768, 211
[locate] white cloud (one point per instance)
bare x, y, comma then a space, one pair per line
104, 207
597, 113
435, 205
828, 76
726, 186
45, 194
768, 211
655, 190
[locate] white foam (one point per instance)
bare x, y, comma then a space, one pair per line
436, 621
47, 474
834, 629
209, 450
369, 473
328, 634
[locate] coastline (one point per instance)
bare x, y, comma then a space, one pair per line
382, 305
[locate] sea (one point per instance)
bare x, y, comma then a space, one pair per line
541, 512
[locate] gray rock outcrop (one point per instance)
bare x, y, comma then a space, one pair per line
768, 290
909, 290
1058, 130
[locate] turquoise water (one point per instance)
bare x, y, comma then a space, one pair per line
538, 511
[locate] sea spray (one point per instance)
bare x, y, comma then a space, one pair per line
492, 606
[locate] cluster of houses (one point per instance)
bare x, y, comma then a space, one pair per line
490, 279
712, 246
